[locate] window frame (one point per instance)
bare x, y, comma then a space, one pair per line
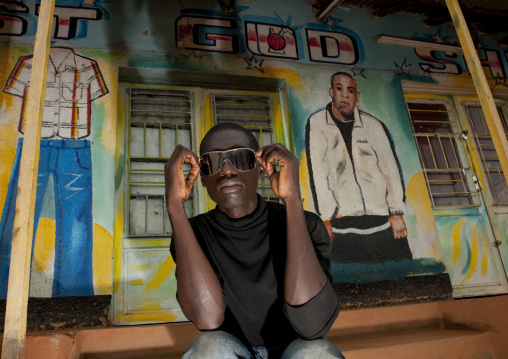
128, 309
502, 106
202, 119
465, 167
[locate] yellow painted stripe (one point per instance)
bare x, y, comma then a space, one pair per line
485, 260
102, 260
44, 246
161, 274
136, 282
149, 317
142, 267
456, 237
474, 253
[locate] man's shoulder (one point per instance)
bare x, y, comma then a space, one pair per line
278, 209
368, 117
319, 114
201, 218
370, 120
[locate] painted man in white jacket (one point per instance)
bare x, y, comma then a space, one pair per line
356, 179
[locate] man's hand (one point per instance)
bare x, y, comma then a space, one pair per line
178, 187
398, 226
285, 183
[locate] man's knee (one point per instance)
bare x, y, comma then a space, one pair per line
216, 345
310, 349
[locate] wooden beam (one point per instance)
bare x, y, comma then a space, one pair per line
482, 86
324, 12
19, 272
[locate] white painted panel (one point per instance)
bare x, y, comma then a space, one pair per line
150, 282
152, 142
168, 142
137, 144
155, 217
137, 213
184, 138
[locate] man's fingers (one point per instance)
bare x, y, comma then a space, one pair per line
175, 179
273, 153
180, 156
267, 166
190, 180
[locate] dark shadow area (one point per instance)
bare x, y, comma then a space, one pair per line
64, 313
415, 289
158, 353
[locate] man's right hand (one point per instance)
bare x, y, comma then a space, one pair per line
179, 187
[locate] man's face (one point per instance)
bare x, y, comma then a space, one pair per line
234, 191
344, 96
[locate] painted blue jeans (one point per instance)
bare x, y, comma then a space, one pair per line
69, 162
221, 345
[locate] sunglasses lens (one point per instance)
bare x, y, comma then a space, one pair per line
204, 164
243, 159
213, 162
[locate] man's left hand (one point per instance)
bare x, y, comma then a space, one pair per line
285, 182
398, 226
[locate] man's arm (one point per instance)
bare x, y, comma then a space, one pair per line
304, 278
199, 291
389, 165
316, 148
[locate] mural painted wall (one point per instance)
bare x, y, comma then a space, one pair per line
70, 253
93, 40
351, 159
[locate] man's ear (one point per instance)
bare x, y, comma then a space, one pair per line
330, 92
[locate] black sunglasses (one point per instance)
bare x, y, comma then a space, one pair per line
242, 159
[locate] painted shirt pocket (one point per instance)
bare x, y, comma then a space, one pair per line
72, 91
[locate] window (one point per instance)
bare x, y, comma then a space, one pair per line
152, 120
159, 120
437, 136
492, 170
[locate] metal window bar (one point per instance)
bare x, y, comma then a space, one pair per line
157, 120
255, 113
439, 156
499, 195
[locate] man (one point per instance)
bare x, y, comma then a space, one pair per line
254, 285
356, 179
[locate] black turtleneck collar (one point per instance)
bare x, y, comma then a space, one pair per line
253, 219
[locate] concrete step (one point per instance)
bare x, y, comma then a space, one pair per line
430, 343
145, 341
405, 331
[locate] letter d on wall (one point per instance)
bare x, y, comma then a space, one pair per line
205, 33
330, 46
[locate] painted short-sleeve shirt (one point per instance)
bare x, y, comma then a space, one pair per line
73, 82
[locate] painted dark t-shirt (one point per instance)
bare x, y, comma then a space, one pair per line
346, 130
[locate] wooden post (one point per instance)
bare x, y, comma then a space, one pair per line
19, 273
482, 86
